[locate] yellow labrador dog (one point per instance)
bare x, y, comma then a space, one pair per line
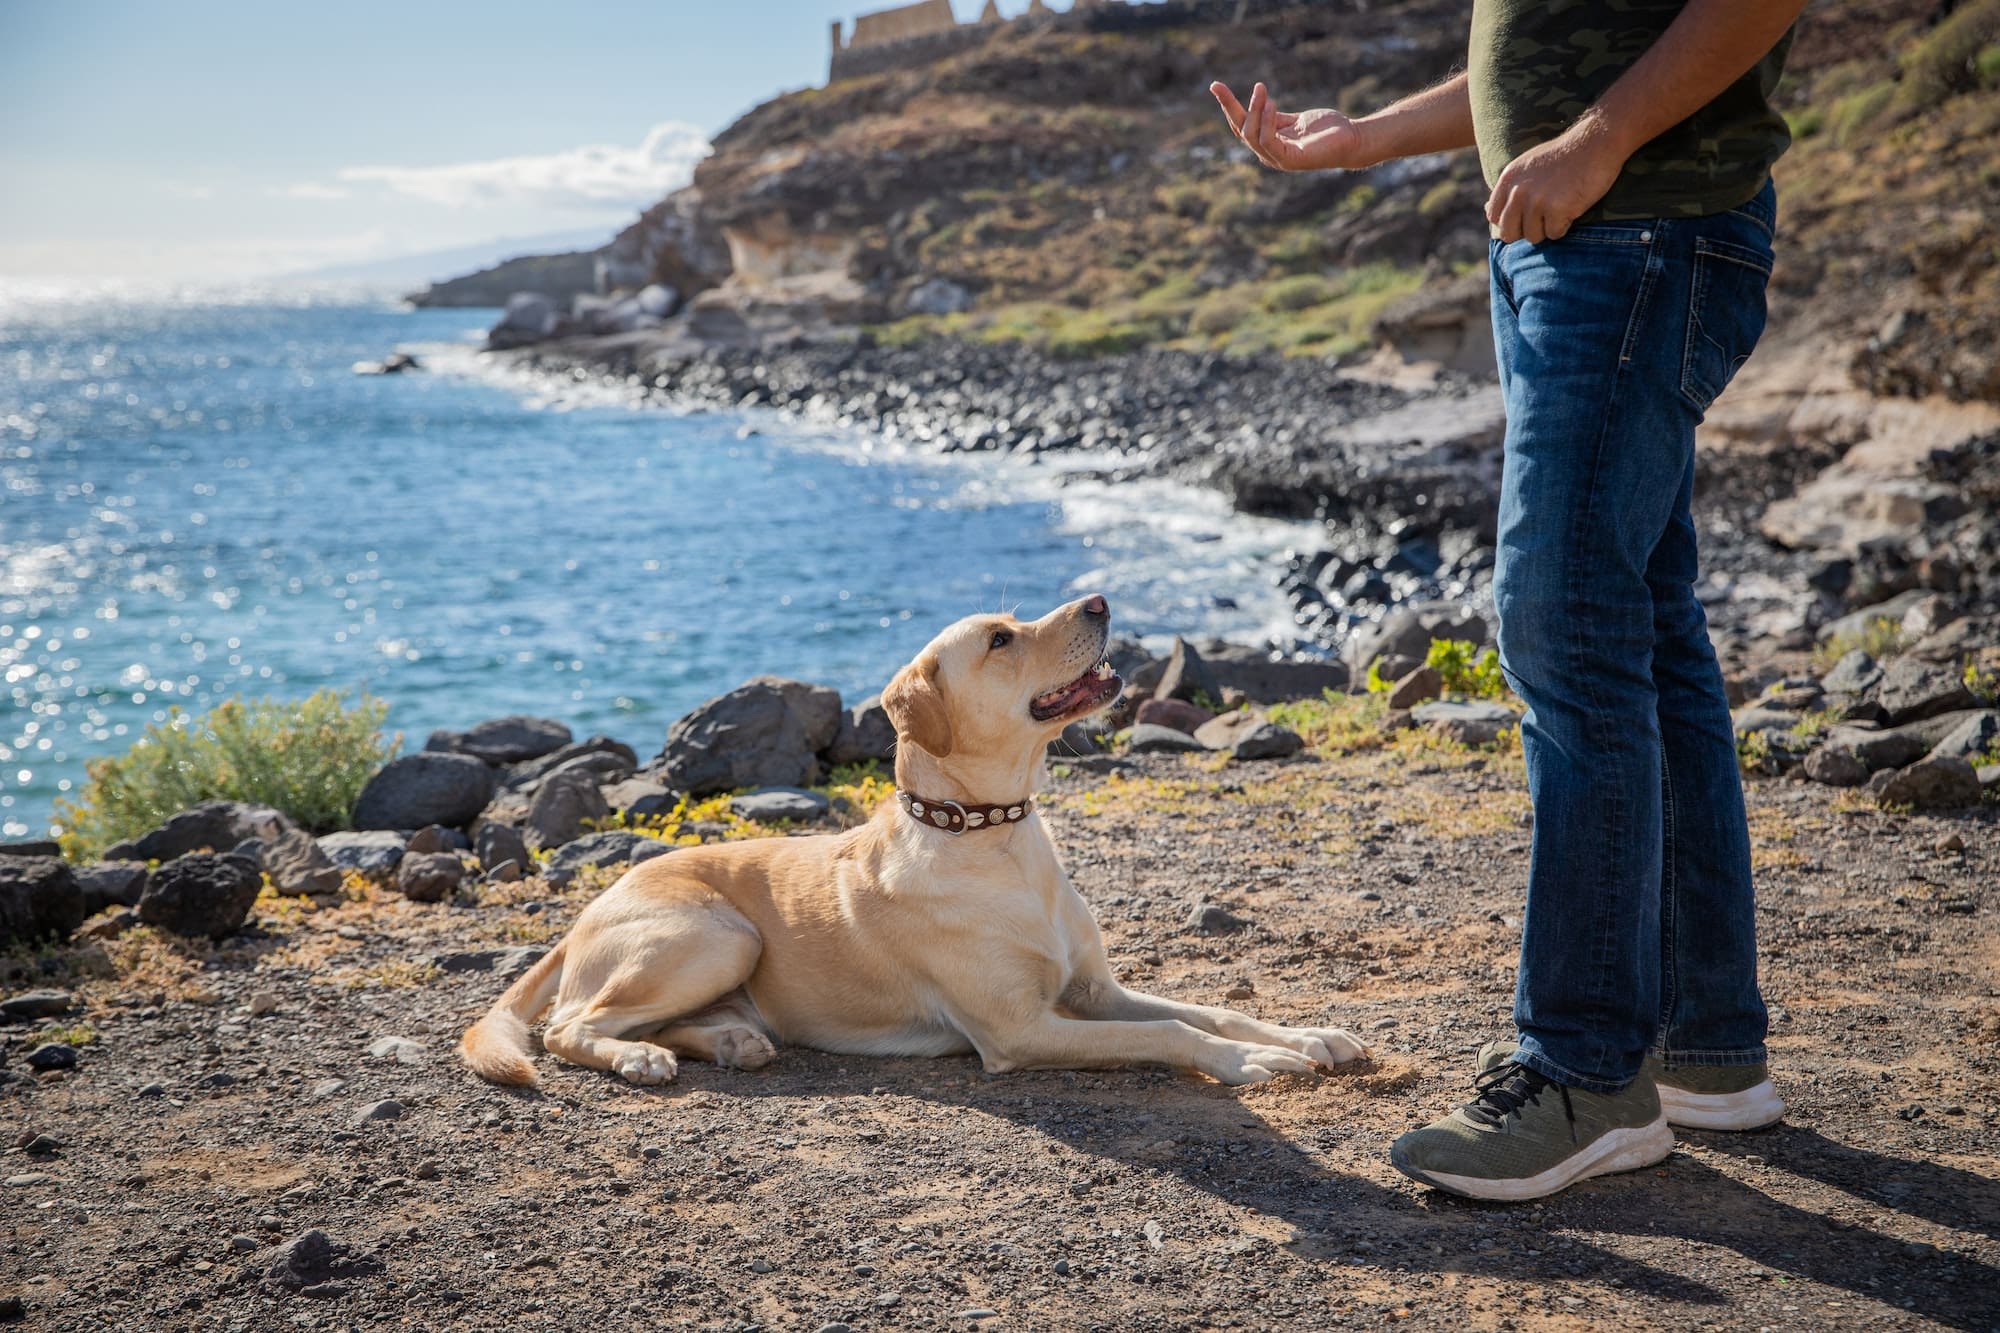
944, 925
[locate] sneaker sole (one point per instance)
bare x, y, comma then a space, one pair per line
1753, 1108
1617, 1150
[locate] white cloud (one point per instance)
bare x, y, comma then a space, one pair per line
590, 178
311, 191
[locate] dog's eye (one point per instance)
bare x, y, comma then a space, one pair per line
1001, 638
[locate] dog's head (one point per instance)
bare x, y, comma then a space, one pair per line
991, 691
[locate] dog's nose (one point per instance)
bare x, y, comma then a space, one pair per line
1095, 605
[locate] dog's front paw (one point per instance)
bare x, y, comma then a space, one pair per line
646, 1065
1237, 1063
1327, 1047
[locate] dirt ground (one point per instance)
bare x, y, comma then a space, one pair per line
220, 1110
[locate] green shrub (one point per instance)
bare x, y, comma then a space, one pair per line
1220, 311
1946, 63
1466, 670
1438, 198
1987, 66
1880, 637
308, 758
1298, 293
1805, 122
1857, 113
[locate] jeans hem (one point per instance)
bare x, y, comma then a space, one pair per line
1548, 1068
1754, 1056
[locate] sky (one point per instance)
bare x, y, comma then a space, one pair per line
213, 140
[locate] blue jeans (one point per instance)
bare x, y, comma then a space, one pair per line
1640, 930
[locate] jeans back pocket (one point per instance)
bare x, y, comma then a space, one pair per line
1725, 316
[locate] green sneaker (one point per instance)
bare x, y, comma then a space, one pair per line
1728, 1097
1525, 1137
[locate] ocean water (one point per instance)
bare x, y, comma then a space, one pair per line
199, 499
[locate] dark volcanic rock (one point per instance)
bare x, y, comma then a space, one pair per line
425, 788
1472, 723
498, 843
1912, 690
313, 1259
1247, 735
438, 838
1933, 784
506, 963
371, 853
564, 801
1187, 677
503, 740
1836, 767
1856, 673
52, 1055
767, 732
111, 884
1402, 639
772, 804
32, 847
638, 797
201, 894
865, 733
39, 897
1270, 680
596, 850
429, 877
1176, 714
523, 776
1151, 738
297, 864
36, 1004
1970, 739
1206, 918
212, 825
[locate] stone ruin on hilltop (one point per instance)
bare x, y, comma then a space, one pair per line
913, 35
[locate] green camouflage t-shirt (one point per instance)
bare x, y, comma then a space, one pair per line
1536, 65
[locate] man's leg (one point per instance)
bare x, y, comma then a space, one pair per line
1596, 447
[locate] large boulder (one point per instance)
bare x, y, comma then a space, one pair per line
295, 863
767, 732
529, 318
1267, 680
1976, 736
201, 894
1836, 768
425, 788
1187, 677
39, 897
111, 884
503, 740
564, 802
1249, 735
211, 826
524, 775
1933, 784
1913, 690
597, 850
1402, 639
373, 854
1893, 747
865, 734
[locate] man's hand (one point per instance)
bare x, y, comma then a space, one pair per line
1544, 190
1293, 140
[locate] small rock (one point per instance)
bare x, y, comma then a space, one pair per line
565, 803
1174, 714
152, 1090
200, 894
13, 1308
109, 926
310, 1259
1856, 674
507, 872
400, 1049
1420, 686
111, 884
502, 962
1949, 844
42, 1145
29, 1178
243, 1244
1933, 784
1973, 737
263, 1002
1835, 767
771, 805
424, 1170
595, 850
221, 1078
636, 798
297, 864
1187, 677
1472, 723
762, 1266
498, 843
52, 1055
36, 1004
1149, 738
437, 838
429, 877
387, 1109
1206, 918
1383, 1024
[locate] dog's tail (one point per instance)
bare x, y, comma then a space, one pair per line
496, 1047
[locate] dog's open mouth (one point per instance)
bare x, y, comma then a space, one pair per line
1086, 694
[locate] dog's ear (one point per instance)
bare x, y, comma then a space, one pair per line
916, 707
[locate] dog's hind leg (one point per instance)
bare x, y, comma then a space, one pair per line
639, 975
730, 1033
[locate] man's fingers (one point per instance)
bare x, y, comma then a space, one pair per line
1557, 226
1232, 109
1510, 215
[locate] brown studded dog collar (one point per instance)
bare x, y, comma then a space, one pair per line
957, 817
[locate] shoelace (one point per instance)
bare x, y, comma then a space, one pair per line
1505, 1089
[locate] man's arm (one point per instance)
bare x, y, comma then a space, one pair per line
1709, 45
1431, 121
